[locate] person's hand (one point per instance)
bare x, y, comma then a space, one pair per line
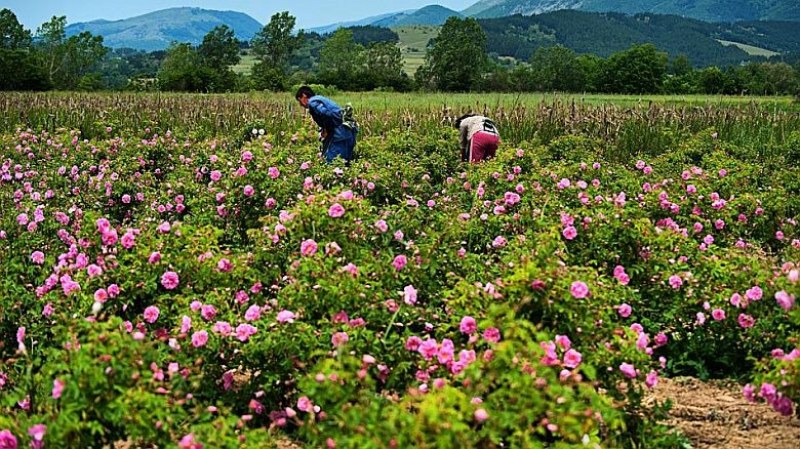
323, 134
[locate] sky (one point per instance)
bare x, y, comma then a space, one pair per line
309, 13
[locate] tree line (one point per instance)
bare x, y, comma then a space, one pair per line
360, 58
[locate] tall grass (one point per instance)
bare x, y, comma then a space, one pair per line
625, 125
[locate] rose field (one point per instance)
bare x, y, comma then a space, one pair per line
187, 272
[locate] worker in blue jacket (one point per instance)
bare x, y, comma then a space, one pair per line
338, 129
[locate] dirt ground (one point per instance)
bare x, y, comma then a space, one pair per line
715, 415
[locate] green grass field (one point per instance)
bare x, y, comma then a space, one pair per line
413, 42
245, 66
749, 49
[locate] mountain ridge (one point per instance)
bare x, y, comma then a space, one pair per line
157, 29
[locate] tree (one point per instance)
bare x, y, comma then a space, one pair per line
21, 72
557, 69
183, 71
712, 80
385, 67
638, 70
592, 68
681, 65
274, 45
220, 48
66, 60
12, 35
341, 60
457, 59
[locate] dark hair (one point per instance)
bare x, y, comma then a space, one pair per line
304, 90
460, 119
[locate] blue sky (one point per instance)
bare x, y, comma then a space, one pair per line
309, 13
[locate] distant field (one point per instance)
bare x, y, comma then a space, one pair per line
413, 42
749, 49
245, 65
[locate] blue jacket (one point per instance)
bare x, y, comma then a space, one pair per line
328, 115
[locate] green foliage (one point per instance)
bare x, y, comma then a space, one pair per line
640, 69
220, 48
274, 46
557, 69
457, 58
13, 36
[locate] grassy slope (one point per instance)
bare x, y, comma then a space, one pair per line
413, 40
245, 65
751, 50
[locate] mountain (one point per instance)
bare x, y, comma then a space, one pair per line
707, 10
325, 29
428, 15
605, 33
156, 30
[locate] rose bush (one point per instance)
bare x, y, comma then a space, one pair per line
186, 293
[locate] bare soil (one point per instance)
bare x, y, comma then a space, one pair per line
715, 415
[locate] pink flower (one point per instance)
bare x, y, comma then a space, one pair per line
410, 295
188, 442
481, 415
223, 328
700, 318
628, 370
675, 281
468, 325
754, 294
749, 393
308, 247
245, 331
199, 339
273, 172
785, 300
164, 227
579, 290
572, 359
37, 257
661, 339
563, 342
492, 335
249, 190
224, 265
746, 321
429, 348
216, 175
285, 316
304, 404
399, 262
499, 242
155, 257
339, 338
253, 313
624, 310
37, 433
208, 312
7, 440
413, 343
128, 240
336, 210
170, 280
381, 226
651, 380
718, 314
58, 388
570, 232
151, 314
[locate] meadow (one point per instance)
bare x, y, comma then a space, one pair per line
186, 271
